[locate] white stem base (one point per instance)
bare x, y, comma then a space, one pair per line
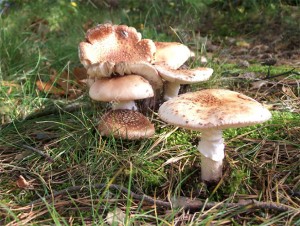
130, 105
171, 90
211, 171
211, 148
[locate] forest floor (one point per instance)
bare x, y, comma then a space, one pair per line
56, 168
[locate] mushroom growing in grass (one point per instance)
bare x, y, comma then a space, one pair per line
121, 91
210, 111
174, 78
125, 124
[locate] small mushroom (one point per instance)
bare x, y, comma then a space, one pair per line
122, 91
126, 124
174, 78
210, 111
173, 54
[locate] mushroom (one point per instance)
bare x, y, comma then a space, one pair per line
122, 91
173, 54
126, 124
174, 78
113, 43
210, 111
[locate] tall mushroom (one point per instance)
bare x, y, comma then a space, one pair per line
210, 111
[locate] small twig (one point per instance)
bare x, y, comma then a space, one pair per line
45, 155
193, 205
294, 193
108, 186
278, 75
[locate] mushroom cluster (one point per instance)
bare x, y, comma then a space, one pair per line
122, 68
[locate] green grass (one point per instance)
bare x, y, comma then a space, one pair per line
262, 162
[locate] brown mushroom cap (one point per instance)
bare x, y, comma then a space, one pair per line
213, 108
144, 69
184, 76
124, 88
174, 54
126, 124
115, 43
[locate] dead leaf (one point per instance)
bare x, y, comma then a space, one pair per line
174, 159
63, 80
11, 85
258, 84
288, 91
248, 75
48, 87
117, 217
80, 73
243, 63
243, 44
182, 201
68, 82
23, 183
259, 49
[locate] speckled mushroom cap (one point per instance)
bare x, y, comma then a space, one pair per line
174, 54
144, 69
184, 76
213, 109
124, 88
115, 43
126, 124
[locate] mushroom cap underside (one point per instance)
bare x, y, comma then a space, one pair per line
126, 124
115, 43
213, 108
123, 88
184, 76
144, 69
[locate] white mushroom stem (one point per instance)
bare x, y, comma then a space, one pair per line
130, 105
211, 148
171, 90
